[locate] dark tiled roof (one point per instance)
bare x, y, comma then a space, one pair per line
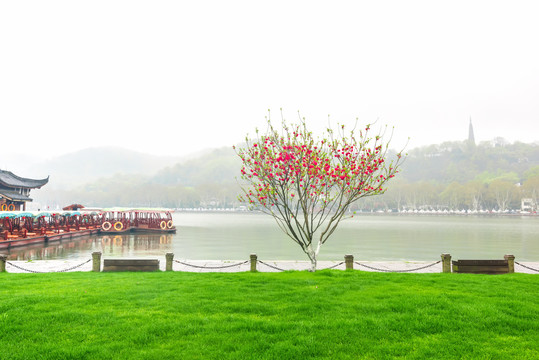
13, 195
9, 179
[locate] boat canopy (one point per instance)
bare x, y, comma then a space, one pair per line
49, 213
37, 214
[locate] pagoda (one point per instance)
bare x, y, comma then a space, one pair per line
471, 137
15, 190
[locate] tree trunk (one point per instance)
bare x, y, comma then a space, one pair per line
312, 254
313, 264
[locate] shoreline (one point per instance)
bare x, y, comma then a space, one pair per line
360, 213
48, 266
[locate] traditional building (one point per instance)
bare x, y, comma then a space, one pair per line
15, 190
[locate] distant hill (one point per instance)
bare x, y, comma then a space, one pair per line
218, 166
442, 163
118, 177
461, 161
85, 166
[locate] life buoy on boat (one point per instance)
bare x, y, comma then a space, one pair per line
11, 207
163, 225
4, 207
169, 224
106, 226
118, 226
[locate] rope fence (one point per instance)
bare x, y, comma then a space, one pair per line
398, 271
527, 267
211, 267
334, 266
271, 266
448, 266
44, 272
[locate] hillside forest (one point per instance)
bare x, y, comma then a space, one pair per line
459, 175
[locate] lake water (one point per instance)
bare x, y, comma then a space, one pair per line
233, 236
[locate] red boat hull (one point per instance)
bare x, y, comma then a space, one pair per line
7, 244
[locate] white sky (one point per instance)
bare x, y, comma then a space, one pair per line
174, 77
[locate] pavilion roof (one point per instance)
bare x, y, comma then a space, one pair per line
7, 178
73, 207
14, 195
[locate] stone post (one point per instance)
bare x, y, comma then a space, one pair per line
169, 257
349, 262
510, 262
96, 264
446, 263
254, 259
3, 259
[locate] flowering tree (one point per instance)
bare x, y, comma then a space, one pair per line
308, 184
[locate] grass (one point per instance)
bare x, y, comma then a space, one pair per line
293, 315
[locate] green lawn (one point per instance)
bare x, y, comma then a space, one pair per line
293, 315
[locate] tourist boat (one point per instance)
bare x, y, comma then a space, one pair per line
123, 220
19, 228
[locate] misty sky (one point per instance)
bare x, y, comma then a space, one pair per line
175, 77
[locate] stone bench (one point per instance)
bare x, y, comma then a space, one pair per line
130, 265
482, 266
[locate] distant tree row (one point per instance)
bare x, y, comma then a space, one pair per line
499, 194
